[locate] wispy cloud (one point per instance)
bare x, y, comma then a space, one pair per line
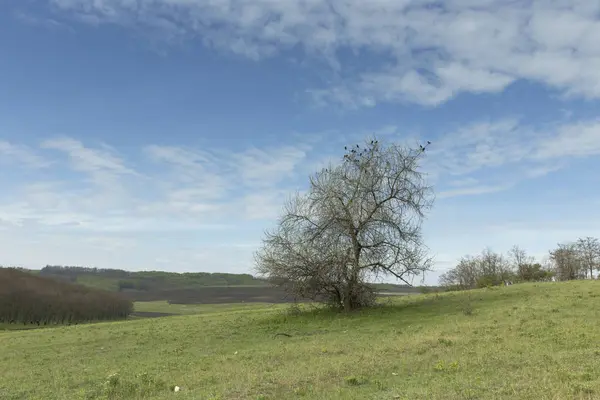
431, 53
494, 144
493, 156
482, 145
580, 139
101, 164
21, 155
267, 167
543, 170
252, 180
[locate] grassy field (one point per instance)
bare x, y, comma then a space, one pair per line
518, 342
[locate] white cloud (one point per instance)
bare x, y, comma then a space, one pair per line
192, 175
184, 189
543, 170
482, 145
250, 181
432, 51
577, 140
269, 166
21, 155
436, 87
251, 167
507, 152
101, 164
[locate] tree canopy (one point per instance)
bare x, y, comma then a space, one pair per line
359, 218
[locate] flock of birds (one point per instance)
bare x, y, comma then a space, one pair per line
374, 142
355, 151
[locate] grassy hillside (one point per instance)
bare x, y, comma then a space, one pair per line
533, 341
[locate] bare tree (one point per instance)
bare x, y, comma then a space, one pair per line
567, 262
589, 252
450, 279
521, 262
464, 276
359, 219
493, 268
486, 269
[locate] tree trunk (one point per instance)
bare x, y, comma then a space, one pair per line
348, 293
347, 303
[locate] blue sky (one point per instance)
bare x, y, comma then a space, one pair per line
166, 134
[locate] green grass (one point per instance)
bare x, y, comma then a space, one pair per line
518, 342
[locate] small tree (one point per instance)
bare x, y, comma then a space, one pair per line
567, 262
589, 253
494, 269
464, 276
359, 219
521, 263
486, 269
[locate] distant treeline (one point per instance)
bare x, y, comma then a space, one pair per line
32, 299
568, 261
71, 273
120, 280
